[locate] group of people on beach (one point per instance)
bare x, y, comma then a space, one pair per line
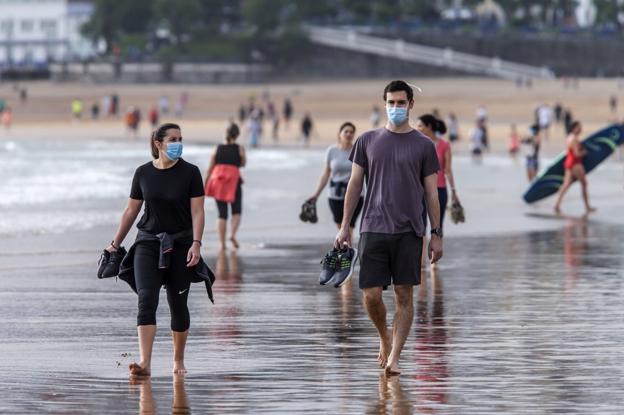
396, 176
256, 113
401, 164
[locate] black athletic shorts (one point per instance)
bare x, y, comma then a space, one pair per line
337, 208
390, 259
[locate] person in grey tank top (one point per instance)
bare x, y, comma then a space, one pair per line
337, 173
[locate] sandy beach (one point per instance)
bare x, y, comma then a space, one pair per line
48, 109
524, 315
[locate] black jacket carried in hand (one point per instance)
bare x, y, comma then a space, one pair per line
202, 272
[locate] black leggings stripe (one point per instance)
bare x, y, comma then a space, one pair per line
149, 280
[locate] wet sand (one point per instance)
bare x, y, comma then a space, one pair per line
529, 324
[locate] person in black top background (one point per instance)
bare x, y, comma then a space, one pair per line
174, 207
232, 154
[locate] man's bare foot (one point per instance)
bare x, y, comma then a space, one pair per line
590, 209
385, 346
178, 368
234, 242
138, 370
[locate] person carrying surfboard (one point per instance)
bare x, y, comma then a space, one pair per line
573, 166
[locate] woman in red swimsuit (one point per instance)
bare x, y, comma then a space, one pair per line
574, 169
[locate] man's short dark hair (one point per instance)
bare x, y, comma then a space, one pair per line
398, 85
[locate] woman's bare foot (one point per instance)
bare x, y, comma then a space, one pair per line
178, 368
392, 369
139, 370
234, 242
222, 247
385, 346
557, 210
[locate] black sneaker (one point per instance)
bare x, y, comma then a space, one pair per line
346, 264
308, 211
312, 212
329, 266
109, 263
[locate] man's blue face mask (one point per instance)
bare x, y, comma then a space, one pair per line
396, 115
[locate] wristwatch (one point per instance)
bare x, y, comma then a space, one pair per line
437, 232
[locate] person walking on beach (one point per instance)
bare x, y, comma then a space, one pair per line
435, 129
532, 146
453, 127
574, 169
287, 112
477, 137
76, 107
544, 116
224, 183
153, 116
167, 248
254, 129
7, 118
375, 117
306, 129
400, 166
514, 141
337, 172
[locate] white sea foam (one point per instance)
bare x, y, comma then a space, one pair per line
37, 178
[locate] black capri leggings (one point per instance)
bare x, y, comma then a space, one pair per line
443, 200
149, 279
237, 205
337, 208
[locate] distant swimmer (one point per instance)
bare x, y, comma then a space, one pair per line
573, 166
224, 183
401, 167
337, 173
167, 247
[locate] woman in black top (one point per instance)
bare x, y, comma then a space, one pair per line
174, 208
232, 154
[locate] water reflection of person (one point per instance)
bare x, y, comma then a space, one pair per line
147, 403
228, 282
390, 391
574, 246
431, 342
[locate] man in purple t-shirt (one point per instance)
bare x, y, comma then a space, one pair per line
400, 166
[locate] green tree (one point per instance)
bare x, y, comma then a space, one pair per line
180, 17
112, 19
608, 11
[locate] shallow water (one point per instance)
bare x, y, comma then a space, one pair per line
525, 324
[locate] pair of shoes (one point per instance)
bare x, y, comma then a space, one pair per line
308, 211
338, 266
109, 263
457, 213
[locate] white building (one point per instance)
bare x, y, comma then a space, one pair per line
35, 32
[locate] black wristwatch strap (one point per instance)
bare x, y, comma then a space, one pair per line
436, 231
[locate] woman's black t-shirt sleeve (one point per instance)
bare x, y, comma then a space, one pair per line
135, 191
167, 196
197, 185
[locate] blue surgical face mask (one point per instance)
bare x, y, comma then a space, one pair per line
174, 151
396, 115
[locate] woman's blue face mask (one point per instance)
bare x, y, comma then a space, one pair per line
174, 150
